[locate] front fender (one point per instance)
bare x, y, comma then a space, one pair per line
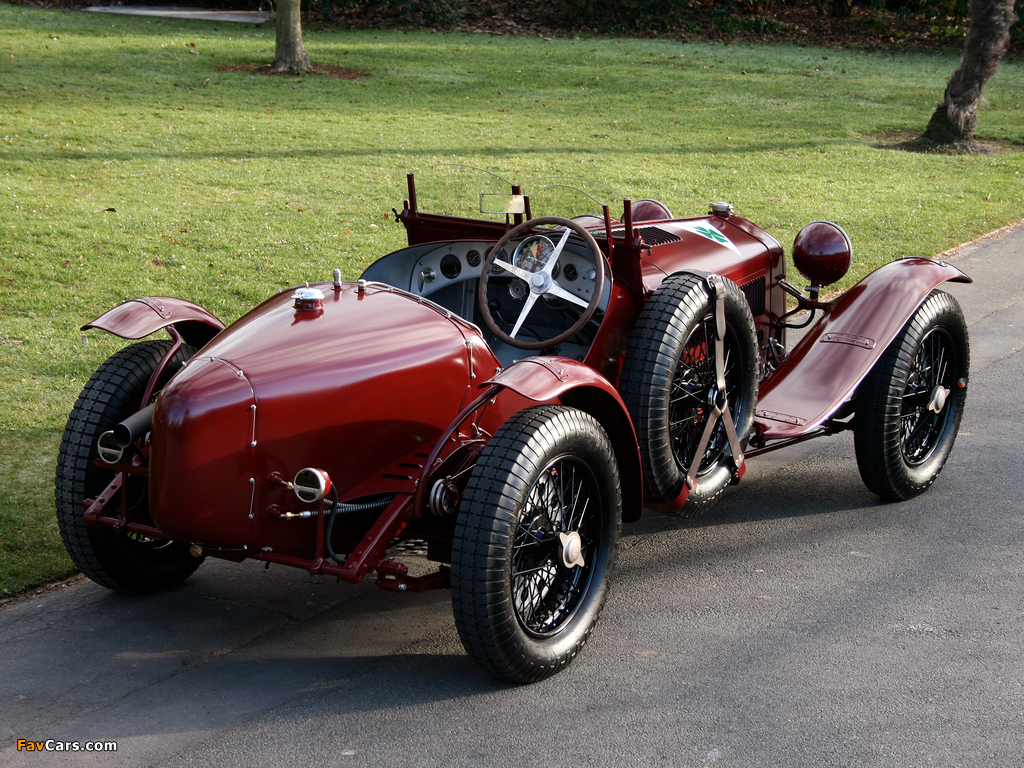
559, 379
138, 318
827, 365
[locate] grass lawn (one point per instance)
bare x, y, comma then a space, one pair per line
139, 157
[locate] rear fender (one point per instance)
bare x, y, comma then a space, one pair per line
559, 379
138, 318
826, 366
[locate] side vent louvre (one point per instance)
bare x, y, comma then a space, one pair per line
754, 293
650, 235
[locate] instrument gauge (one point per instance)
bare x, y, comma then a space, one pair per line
533, 253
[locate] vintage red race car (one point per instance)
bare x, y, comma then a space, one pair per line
509, 388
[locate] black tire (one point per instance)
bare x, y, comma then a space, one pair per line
667, 375
119, 561
522, 609
902, 443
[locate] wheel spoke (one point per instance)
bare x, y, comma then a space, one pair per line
543, 566
576, 522
545, 591
549, 267
531, 299
921, 427
689, 407
556, 290
522, 274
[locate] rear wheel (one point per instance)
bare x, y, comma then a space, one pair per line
669, 383
910, 405
535, 542
122, 562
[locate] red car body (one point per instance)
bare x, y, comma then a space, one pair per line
391, 388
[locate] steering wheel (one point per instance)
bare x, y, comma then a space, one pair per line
541, 282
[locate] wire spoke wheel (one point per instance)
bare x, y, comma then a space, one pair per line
561, 511
910, 405
694, 387
931, 379
669, 382
535, 542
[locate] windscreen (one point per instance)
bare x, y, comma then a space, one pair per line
476, 193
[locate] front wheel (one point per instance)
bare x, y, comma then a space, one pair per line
122, 562
910, 405
535, 543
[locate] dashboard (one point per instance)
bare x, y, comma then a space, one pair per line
448, 273
457, 262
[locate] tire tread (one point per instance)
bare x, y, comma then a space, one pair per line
113, 392
648, 369
876, 431
481, 601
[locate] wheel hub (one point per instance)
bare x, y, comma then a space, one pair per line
540, 282
938, 399
571, 549
717, 398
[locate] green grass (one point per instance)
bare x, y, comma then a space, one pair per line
130, 164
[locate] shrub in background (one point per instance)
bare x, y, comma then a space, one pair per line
654, 15
440, 13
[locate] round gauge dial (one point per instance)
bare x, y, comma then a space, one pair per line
495, 269
533, 253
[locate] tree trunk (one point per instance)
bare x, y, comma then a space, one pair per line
841, 8
953, 122
290, 55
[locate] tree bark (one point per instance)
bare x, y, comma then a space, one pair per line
290, 55
952, 124
841, 9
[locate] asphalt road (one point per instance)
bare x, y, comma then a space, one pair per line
800, 623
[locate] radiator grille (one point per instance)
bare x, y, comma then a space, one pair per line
754, 293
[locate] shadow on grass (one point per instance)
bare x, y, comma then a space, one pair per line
269, 153
905, 141
325, 70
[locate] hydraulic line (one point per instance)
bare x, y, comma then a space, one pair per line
337, 508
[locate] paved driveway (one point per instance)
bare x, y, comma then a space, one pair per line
800, 623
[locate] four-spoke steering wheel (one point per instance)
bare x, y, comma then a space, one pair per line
540, 281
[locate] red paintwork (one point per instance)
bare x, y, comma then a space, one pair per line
391, 394
822, 252
694, 252
545, 378
824, 369
138, 318
558, 379
374, 377
202, 467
